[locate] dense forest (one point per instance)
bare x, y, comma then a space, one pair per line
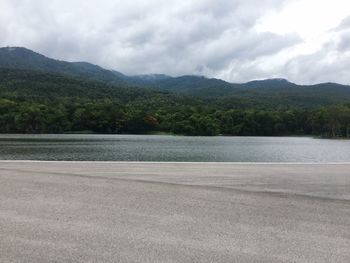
106, 116
36, 102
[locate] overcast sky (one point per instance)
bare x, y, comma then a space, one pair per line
305, 41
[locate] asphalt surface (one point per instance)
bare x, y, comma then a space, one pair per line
174, 212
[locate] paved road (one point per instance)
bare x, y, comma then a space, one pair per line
172, 212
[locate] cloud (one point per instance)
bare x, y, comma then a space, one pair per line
344, 25
331, 63
215, 38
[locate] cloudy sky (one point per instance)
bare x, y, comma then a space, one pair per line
305, 41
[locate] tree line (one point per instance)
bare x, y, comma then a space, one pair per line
65, 115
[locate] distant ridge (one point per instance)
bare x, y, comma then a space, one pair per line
22, 58
271, 83
25, 59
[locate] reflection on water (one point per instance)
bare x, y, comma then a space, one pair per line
172, 148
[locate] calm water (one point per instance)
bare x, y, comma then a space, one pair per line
172, 148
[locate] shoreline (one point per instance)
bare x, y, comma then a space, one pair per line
182, 135
170, 162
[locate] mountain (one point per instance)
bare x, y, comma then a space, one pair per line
266, 92
22, 58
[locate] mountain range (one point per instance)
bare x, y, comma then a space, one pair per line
19, 58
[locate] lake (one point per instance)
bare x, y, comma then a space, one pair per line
172, 148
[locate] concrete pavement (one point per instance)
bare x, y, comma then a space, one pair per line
174, 212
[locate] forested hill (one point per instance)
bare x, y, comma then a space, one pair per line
275, 91
39, 102
33, 85
22, 58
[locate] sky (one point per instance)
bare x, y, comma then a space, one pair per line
304, 41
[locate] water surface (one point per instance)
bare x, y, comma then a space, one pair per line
172, 148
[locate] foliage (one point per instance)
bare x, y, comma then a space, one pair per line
35, 102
